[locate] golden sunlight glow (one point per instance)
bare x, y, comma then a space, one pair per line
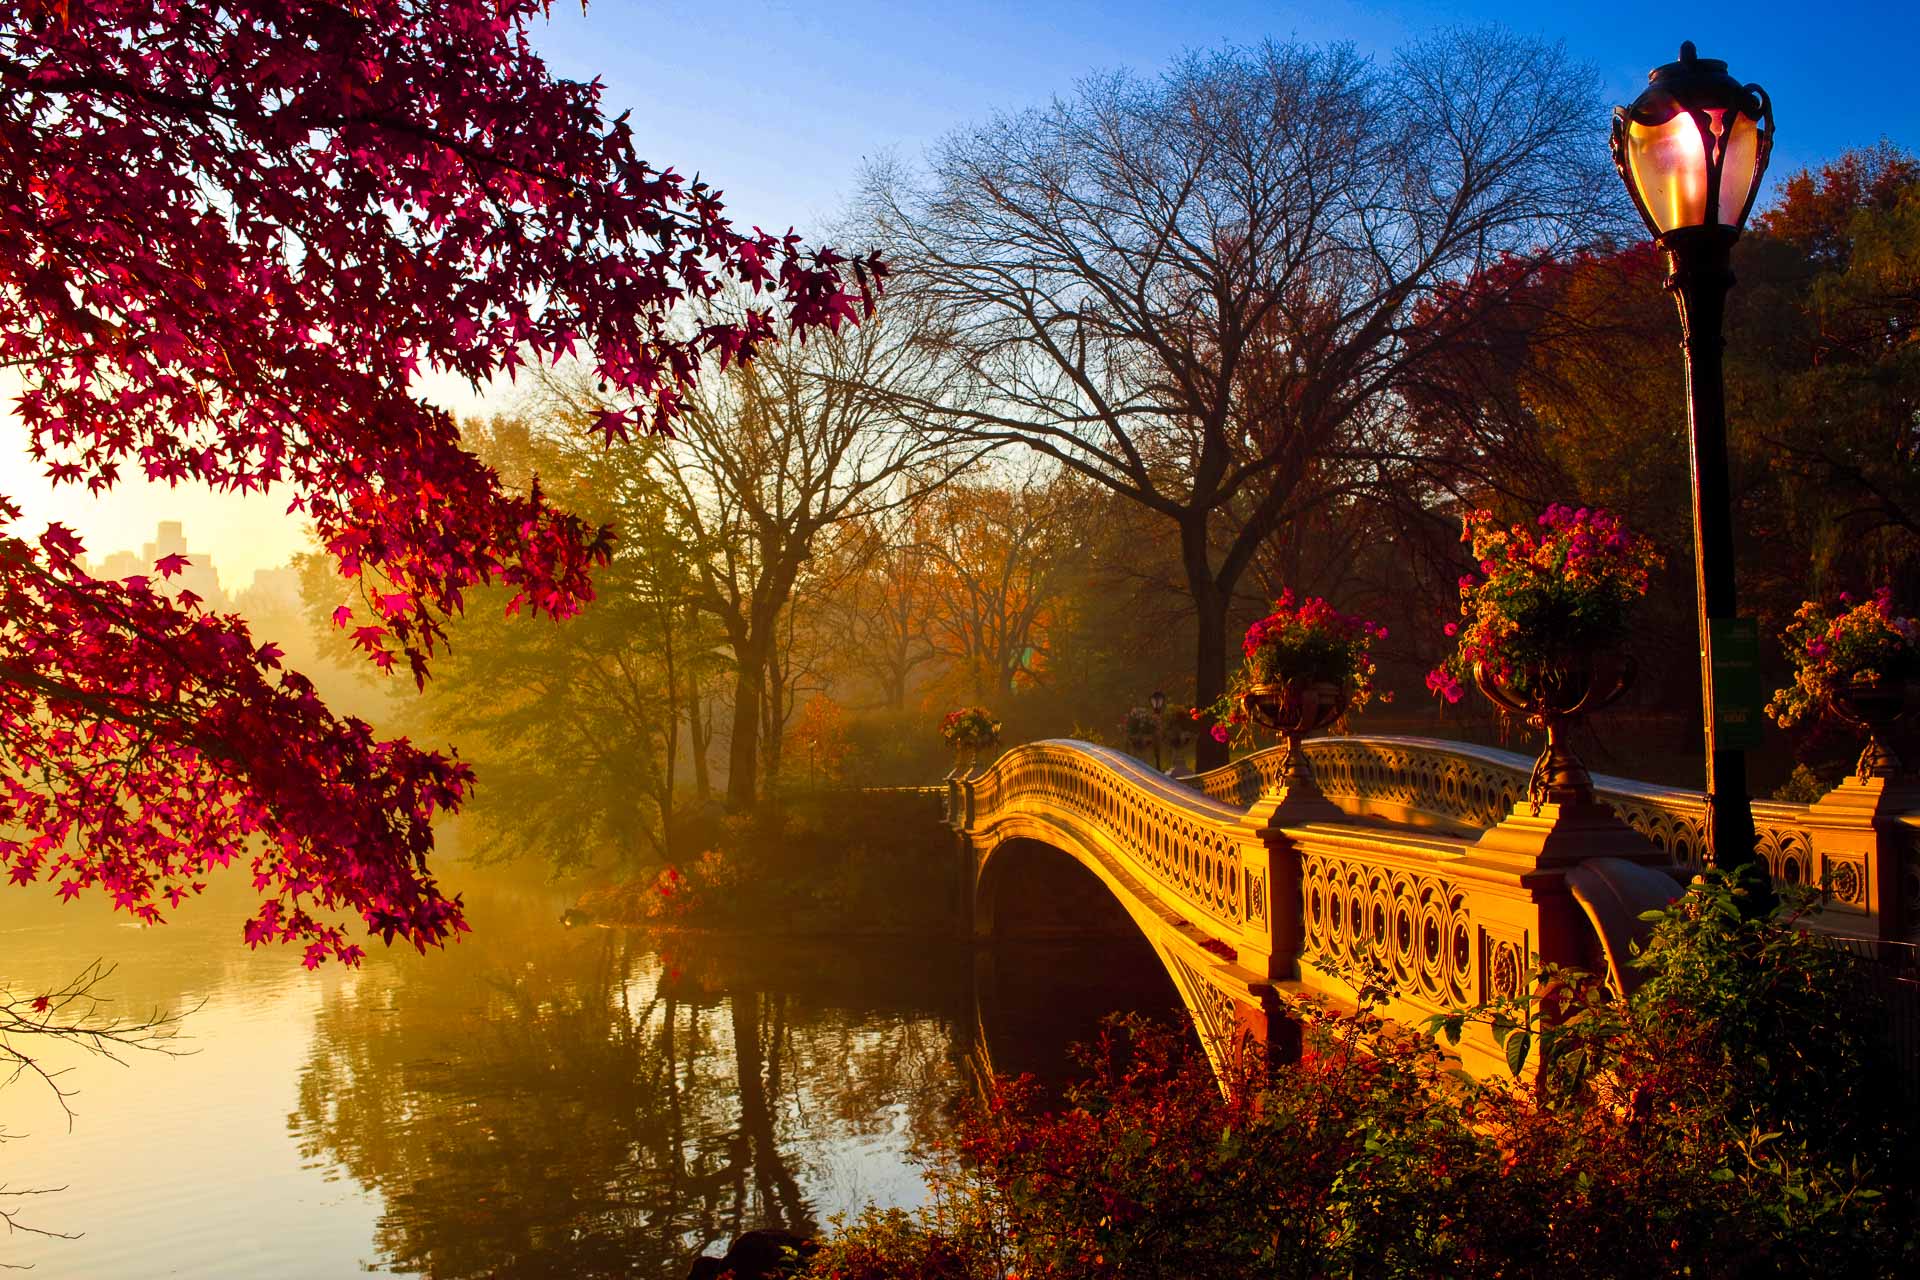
1669, 167
1737, 172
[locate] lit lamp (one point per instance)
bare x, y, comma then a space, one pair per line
1692, 149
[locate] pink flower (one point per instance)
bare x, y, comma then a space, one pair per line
1442, 682
1219, 733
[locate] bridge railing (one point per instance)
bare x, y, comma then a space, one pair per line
1868, 869
1197, 854
1402, 881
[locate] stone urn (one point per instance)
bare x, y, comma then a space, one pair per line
1292, 709
966, 760
1874, 707
1553, 697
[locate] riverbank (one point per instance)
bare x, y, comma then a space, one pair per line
824, 864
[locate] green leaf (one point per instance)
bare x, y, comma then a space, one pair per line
1517, 1045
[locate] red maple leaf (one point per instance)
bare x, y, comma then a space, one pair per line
474, 211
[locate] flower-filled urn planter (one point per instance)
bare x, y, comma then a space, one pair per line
1139, 728
1306, 666
1876, 708
1292, 709
1553, 696
1859, 662
969, 731
1543, 634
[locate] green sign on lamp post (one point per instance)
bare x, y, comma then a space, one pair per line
1738, 700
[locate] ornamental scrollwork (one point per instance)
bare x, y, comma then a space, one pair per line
1415, 927
1476, 788
1213, 1009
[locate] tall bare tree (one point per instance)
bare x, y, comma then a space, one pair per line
770, 454
998, 549
883, 605
1202, 290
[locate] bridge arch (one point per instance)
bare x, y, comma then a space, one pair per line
1065, 955
1227, 1002
1416, 865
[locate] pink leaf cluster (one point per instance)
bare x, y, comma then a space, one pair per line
147, 744
231, 238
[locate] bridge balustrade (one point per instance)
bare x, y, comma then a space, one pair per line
1469, 788
1244, 902
1191, 850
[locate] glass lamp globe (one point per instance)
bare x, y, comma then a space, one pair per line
1693, 146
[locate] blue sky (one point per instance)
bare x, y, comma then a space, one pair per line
778, 103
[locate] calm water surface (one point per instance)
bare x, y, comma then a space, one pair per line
536, 1101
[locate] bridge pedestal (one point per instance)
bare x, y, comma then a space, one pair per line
1562, 834
1292, 807
1862, 836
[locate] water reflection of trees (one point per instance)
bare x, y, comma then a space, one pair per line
577, 1104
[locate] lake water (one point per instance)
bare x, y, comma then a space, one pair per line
535, 1101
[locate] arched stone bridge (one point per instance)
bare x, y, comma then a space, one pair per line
1425, 863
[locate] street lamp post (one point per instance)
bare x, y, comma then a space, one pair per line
1691, 149
1158, 701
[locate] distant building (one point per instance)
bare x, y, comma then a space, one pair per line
274, 592
170, 539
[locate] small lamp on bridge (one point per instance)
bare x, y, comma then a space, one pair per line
1158, 701
1692, 149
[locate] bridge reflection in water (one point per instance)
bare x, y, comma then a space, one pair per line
1415, 858
1064, 957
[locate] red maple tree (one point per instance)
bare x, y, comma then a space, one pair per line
231, 237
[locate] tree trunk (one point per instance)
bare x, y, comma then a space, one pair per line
1210, 657
673, 735
1210, 675
700, 737
775, 718
743, 753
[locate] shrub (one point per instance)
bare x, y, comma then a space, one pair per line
1737, 1117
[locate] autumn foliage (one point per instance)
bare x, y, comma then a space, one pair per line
1729, 1120
231, 239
